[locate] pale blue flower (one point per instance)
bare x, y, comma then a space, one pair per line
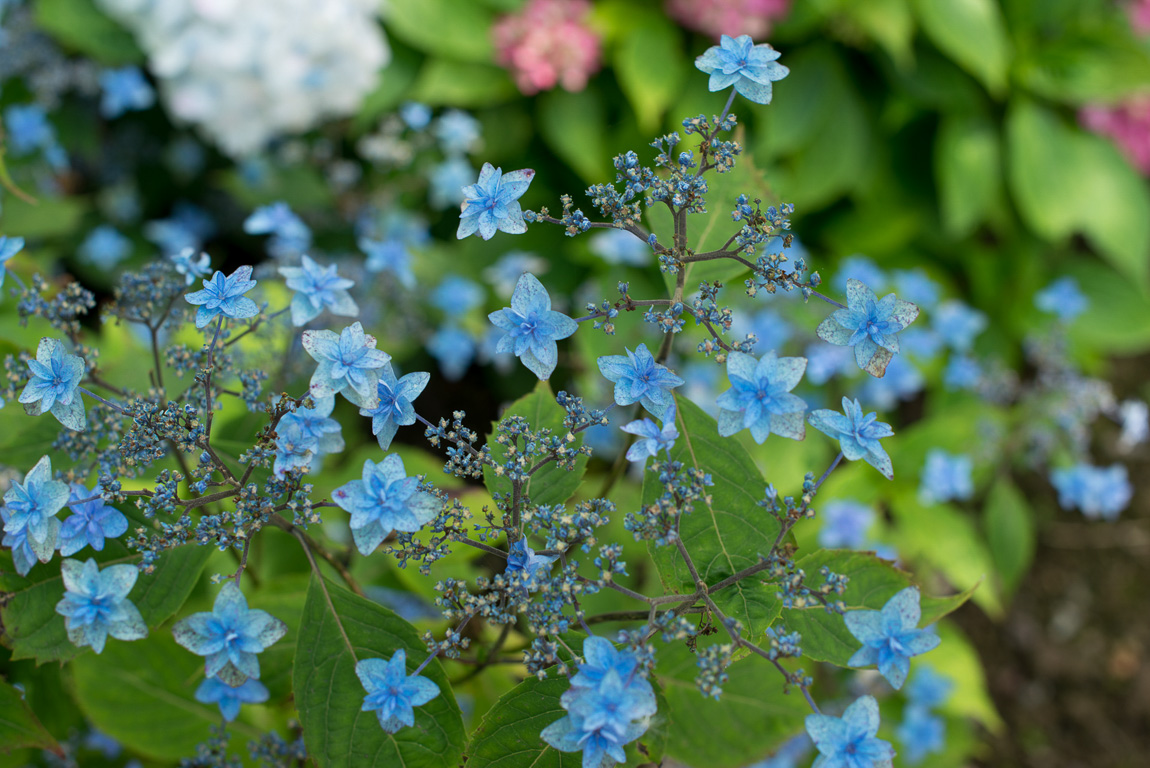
858, 435
638, 378
390, 255
454, 349
915, 286
289, 233
96, 603
54, 385
1100, 492
448, 180
890, 637
32, 506
392, 693
90, 523
825, 362
416, 115
492, 203
224, 297
9, 247
228, 698
385, 500
870, 325
1062, 298
859, 267
760, 397
105, 247
845, 524
531, 327
620, 247
521, 558
23, 556
456, 131
306, 435
230, 636
348, 363
920, 733
395, 407
850, 741
928, 688
295, 449
318, 288
962, 372
739, 62
455, 296
192, 264
958, 324
124, 90
945, 477
652, 438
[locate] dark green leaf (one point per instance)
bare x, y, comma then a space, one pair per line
19, 726
459, 84
1118, 318
572, 125
453, 29
973, 33
649, 67
78, 25
1009, 531
968, 161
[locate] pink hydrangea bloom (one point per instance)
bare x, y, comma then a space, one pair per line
1128, 125
728, 17
1139, 13
548, 43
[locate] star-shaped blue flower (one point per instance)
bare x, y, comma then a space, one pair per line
96, 603
390, 255
9, 247
384, 500
230, 636
600, 656
90, 523
54, 385
920, 733
946, 477
125, 90
870, 325
858, 435
224, 296
849, 741
317, 288
228, 698
395, 407
305, 435
23, 556
531, 327
1062, 298
739, 62
521, 558
653, 439
31, 507
638, 378
348, 363
493, 203
191, 265
891, 636
392, 693
760, 397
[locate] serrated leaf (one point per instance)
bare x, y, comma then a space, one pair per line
973, 33
968, 162
19, 726
453, 29
549, 484
1009, 531
650, 67
329, 694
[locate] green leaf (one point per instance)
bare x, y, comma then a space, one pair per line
572, 125
1117, 321
973, 33
726, 532
47, 217
19, 726
802, 102
453, 29
748, 722
78, 25
1115, 212
890, 23
1039, 151
549, 484
36, 631
1087, 69
967, 160
1009, 531
459, 84
649, 66
508, 737
329, 695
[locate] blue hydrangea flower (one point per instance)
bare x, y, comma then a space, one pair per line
90, 523
771, 329
760, 397
105, 247
890, 636
456, 131
390, 255
224, 296
416, 115
620, 247
858, 435
1062, 298
946, 477
385, 500
230, 636
504, 274
859, 267
447, 181
531, 327
306, 435
600, 656
54, 385
824, 362
958, 324
739, 62
845, 524
492, 203
348, 363
1097, 491
32, 507
850, 741
916, 286
96, 603
124, 90
928, 688
902, 381
454, 349
870, 325
317, 288
192, 264
289, 234
23, 556
962, 372
9, 247
638, 378
920, 733
521, 558
228, 698
652, 438
188, 227
456, 296
295, 449
395, 408
392, 693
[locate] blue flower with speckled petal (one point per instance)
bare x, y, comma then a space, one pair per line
531, 327
891, 636
31, 507
858, 435
392, 693
224, 296
849, 741
91, 522
639, 379
384, 500
739, 62
492, 203
318, 288
760, 397
230, 636
96, 603
348, 363
395, 407
54, 385
870, 325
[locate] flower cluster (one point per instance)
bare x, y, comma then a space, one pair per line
548, 43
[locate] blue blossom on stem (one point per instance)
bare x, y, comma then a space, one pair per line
395, 408
845, 524
739, 62
317, 288
305, 435
958, 324
105, 247
928, 688
390, 255
521, 558
384, 500
850, 741
870, 325
90, 523
1062, 298
890, 636
1097, 491
124, 90
224, 296
531, 327
348, 363
760, 397
228, 698
96, 603
652, 438
9, 247
638, 378
191, 264
230, 636
945, 477
392, 693
858, 435
921, 733
492, 203
32, 507
54, 385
